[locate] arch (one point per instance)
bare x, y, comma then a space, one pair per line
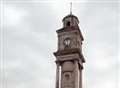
68, 23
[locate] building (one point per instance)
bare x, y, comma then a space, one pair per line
69, 57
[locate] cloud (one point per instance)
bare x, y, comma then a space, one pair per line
12, 16
30, 40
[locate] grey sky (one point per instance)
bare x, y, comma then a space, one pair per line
28, 40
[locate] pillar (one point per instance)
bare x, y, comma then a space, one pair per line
76, 74
57, 75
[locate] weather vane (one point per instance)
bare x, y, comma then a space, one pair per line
71, 8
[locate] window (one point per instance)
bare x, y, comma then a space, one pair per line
68, 23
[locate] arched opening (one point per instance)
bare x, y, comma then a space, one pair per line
68, 23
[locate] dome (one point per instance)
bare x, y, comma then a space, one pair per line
70, 20
70, 16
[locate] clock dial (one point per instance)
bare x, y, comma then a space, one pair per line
67, 42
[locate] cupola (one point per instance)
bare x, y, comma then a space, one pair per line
70, 21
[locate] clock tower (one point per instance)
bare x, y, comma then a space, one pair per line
69, 57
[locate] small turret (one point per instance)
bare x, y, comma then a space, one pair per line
70, 21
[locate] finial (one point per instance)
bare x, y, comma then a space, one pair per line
71, 8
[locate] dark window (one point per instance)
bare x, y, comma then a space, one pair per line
68, 23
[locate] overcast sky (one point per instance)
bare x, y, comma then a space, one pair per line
28, 40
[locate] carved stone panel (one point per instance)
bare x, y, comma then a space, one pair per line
67, 80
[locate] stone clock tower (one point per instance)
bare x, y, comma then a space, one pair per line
69, 57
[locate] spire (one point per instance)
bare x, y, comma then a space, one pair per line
70, 8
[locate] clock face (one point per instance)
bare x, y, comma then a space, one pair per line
67, 42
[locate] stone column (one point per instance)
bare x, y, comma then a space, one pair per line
76, 74
80, 78
80, 73
57, 75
